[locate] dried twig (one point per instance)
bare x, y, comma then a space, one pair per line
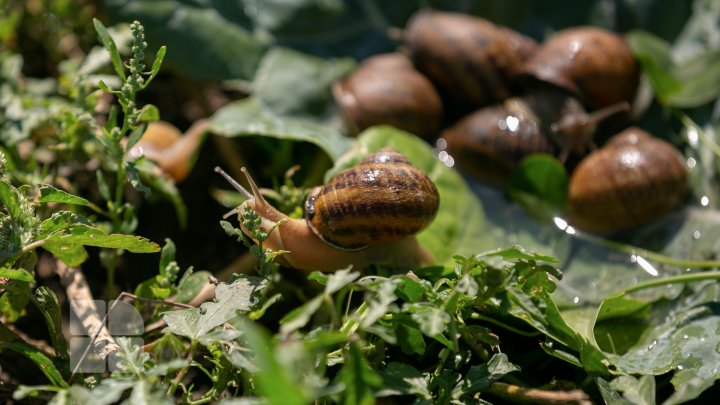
519, 394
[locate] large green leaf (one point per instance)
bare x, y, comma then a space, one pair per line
40, 360
250, 117
204, 42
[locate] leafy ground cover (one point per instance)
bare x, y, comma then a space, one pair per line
517, 306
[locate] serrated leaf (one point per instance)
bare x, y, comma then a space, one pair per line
50, 194
431, 320
480, 377
17, 274
10, 199
41, 361
89, 236
639, 391
241, 296
47, 302
404, 379
340, 279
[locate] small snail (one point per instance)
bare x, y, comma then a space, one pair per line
172, 151
470, 59
386, 89
594, 64
632, 180
489, 143
364, 215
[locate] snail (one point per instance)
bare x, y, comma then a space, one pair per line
489, 143
632, 180
470, 59
593, 64
366, 214
172, 151
386, 89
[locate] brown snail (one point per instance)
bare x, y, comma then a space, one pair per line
366, 214
594, 64
489, 143
172, 151
470, 59
386, 89
632, 180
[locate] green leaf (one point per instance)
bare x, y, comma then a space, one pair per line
250, 117
10, 199
17, 274
340, 279
50, 194
135, 135
40, 360
70, 254
431, 320
109, 44
520, 253
190, 286
700, 80
205, 43
89, 236
539, 184
656, 59
148, 113
157, 63
359, 378
480, 377
272, 379
293, 83
403, 379
639, 391
300, 316
241, 295
47, 302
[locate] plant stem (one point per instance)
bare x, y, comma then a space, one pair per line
681, 279
660, 258
503, 325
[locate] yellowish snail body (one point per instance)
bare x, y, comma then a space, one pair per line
169, 148
367, 214
632, 180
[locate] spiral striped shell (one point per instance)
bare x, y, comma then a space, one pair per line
382, 199
634, 179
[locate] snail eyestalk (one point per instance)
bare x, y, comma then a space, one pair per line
237, 186
259, 199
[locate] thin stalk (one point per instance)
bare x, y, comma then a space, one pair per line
681, 279
503, 325
660, 258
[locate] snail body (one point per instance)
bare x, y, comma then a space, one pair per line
365, 215
172, 151
472, 60
632, 180
386, 89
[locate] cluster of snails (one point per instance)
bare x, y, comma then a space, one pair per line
522, 98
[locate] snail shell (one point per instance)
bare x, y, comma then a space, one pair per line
384, 187
594, 64
632, 180
490, 143
382, 199
472, 60
386, 89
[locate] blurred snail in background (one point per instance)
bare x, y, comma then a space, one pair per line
632, 180
593, 64
386, 89
489, 143
471, 60
172, 151
366, 214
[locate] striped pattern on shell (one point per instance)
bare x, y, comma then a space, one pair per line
634, 179
382, 199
